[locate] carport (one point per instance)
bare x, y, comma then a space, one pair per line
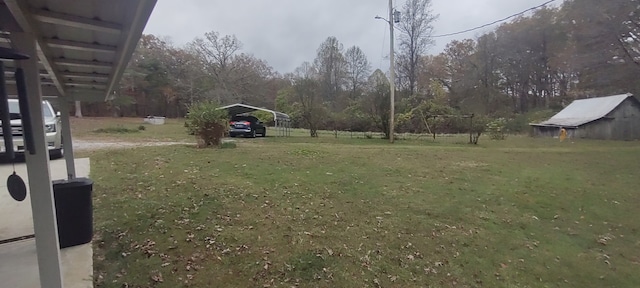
282, 121
78, 51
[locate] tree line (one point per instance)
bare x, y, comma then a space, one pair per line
536, 62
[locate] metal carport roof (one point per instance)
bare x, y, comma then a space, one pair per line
79, 50
235, 109
282, 120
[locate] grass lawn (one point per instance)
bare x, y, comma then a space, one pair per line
127, 129
282, 212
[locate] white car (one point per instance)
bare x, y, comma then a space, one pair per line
52, 128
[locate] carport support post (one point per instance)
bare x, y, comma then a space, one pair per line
40, 190
67, 143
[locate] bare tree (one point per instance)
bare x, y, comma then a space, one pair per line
237, 76
416, 29
357, 69
377, 104
218, 53
305, 70
330, 65
306, 92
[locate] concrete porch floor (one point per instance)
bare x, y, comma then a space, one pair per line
18, 262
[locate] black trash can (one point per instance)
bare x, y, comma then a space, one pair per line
74, 211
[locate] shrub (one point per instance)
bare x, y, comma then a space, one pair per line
142, 127
228, 145
207, 123
497, 129
116, 130
520, 123
479, 126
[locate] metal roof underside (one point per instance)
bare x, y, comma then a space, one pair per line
83, 45
584, 111
236, 109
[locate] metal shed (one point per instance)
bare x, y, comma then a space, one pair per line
281, 120
608, 118
78, 51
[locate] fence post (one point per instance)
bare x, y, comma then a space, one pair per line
434, 128
471, 129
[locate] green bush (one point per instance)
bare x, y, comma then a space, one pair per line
519, 123
207, 123
142, 127
497, 129
479, 126
116, 130
228, 145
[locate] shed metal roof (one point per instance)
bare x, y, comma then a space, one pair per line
83, 46
583, 111
235, 109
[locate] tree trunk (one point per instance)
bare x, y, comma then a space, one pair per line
78, 109
313, 130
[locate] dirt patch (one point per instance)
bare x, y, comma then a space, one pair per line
87, 145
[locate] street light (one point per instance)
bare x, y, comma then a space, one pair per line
395, 17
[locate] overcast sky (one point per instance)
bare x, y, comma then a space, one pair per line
287, 32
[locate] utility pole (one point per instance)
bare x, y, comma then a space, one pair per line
394, 17
392, 71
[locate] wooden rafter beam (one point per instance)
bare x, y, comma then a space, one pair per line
82, 63
76, 21
80, 46
42, 82
90, 76
93, 84
43, 73
47, 90
21, 13
87, 85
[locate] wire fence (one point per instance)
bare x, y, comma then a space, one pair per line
436, 138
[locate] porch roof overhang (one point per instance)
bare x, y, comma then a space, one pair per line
83, 47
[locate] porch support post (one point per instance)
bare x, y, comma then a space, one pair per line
40, 189
67, 141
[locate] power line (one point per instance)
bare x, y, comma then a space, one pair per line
384, 41
494, 22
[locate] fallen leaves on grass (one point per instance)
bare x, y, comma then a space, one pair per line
604, 239
157, 277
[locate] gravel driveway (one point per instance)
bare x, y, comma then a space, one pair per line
85, 145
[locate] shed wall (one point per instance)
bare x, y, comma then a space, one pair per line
545, 131
623, 123
599, 129
552, 132
627, 121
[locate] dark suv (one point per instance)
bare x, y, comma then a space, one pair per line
247, 126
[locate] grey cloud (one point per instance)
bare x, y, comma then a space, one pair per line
287, 32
